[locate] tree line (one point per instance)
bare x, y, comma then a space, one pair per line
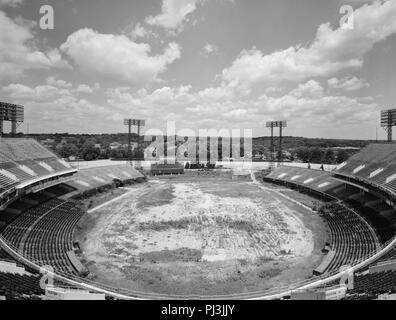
82, 146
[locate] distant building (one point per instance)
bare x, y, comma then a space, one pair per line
115, 145
166, 169
47, 142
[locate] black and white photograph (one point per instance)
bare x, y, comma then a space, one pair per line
197, 155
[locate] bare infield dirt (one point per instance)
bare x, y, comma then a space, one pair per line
201, 235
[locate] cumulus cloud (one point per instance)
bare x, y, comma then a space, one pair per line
331, 51
41, 93
173, 14
136, 31
10, 3
210, 49
224, 107
311, 89
161, 101
46, 104
323, 110
357, 2
229, 104
271, 90
18, 53
117, 57
83, 88
141, 32
347, 83
58, 83
216, 107
53, 89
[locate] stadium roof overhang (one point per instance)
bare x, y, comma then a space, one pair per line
352, 184
44, 178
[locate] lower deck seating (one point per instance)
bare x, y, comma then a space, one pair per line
20, 287
376, 283
390, 255
4, 256
368, 285
17, 287
44, 233
350, 237
382, 226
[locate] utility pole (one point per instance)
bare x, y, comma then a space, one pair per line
130, 123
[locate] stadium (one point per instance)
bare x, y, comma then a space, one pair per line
258, 231
90, 210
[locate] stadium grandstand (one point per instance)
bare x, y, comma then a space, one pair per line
39, 214
359, 208
374, 165
90, 179
27, 167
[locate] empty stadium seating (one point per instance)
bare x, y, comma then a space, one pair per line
366, 174
92, 178
25, 162
313, 179
378, 283
44, 234
371, 284
40, 225
20, 287
350, 236
380, 215
376, 163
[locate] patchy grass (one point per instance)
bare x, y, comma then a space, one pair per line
138, 245
166, 256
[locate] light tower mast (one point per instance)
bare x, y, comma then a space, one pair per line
129, 123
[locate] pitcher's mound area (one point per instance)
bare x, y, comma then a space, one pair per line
192, 235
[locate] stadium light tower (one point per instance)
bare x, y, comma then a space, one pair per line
130, 123
280, 125
388, 121
12, 113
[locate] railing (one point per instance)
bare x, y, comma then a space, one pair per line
5, 198
34, 185
383, 188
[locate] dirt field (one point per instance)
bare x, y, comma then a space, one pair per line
201, 235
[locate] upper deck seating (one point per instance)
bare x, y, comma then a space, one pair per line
376, 164
91, 178
314, 179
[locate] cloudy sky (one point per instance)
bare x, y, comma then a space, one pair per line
201, 63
